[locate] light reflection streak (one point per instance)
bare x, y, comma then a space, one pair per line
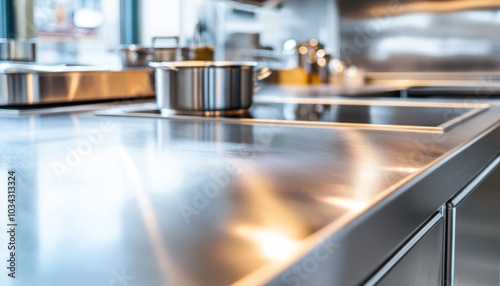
355, 205
167, 268
274, 245
455, 5
406, 170
366, 181
277, 236
74, 84
166, 179
94, 220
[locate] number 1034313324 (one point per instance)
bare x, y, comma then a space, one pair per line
11, 196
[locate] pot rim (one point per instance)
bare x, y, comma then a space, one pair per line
136, 48
200, 64
133, 48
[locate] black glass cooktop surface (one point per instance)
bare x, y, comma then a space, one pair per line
379, 114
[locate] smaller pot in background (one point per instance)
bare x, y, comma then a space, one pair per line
135, 56
139, 56
169, 54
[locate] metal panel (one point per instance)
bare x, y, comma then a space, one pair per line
277, 198
449, 262
420, 35
474, 244
72, 84
386, 227
420, 262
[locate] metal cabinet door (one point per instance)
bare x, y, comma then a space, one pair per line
473, 228
419, 262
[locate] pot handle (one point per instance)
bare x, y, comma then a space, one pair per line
260, 75
156, 38
263, 73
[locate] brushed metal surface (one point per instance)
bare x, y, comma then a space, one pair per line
264, 199
476, 240
135, 56
420, 35
449, 261
142, 56
389, 223
18, 50
17, 31
29, 85
422, 263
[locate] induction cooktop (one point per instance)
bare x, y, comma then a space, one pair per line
366, 114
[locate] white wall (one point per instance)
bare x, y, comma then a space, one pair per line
160, 18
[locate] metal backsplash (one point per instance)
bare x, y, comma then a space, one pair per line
420, 35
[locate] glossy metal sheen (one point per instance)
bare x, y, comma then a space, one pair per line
17, 50
419, 35
32, 84
193, 202
135, 56
204, 86
475, 256
138, 56
419, 262
169, 54
17, 31
449, 259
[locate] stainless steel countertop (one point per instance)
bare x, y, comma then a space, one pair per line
135, 201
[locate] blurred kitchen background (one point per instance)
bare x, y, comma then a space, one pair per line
377, 35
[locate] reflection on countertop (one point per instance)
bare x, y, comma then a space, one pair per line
180, 202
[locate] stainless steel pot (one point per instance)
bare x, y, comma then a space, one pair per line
139, 56
136, 56
169, 54
204, 87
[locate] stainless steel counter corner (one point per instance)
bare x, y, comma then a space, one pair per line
140, 201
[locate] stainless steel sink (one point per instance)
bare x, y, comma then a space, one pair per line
368, 114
